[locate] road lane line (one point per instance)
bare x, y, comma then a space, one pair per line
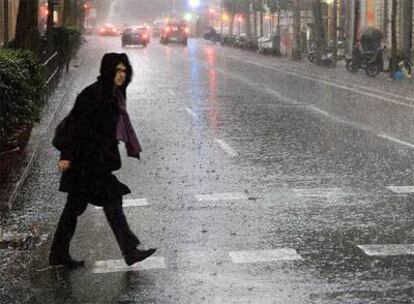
226, 147
260, 256
401, 189
387, 249
317, 192
140, 202
229, 196
282, 97
321, 111
404, 143
189, 111
109, 266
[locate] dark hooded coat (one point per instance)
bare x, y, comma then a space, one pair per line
87, 137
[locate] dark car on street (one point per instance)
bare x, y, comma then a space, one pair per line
175, 31
135, 36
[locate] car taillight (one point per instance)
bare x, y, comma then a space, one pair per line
102, 30
187, 30
168, 29
145, 36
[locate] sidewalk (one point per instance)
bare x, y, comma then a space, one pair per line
381, 83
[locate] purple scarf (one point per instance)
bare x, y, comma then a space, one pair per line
125, 131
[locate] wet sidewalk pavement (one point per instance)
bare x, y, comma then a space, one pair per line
339, 75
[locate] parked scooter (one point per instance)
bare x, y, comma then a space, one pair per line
370, 61
243, 42
266, 45
212, 35
327, 57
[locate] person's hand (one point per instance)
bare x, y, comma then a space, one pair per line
64, 165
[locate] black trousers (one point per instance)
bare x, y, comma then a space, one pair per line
76, 204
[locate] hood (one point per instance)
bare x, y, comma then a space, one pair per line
107, 71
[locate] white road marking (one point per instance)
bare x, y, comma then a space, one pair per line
140, 202
259, 256
404, 143
120, 266
321, 111
189, 111
226, 147
401, 189
317, 192
229, 196
171, 92
281, 96
388, 249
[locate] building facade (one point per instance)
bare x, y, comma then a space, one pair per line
8, 18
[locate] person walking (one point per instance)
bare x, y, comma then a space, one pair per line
88, 139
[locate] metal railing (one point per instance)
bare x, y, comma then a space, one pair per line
53, 72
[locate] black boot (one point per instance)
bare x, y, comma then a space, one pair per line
66, 261
138, 255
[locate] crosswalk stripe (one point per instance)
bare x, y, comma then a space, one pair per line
220, 196
401, 189
140, 202
387, 249
258, 256
109, 266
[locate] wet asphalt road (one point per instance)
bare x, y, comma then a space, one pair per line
302, 165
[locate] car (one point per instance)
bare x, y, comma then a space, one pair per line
135, 36
175, 31
108, 30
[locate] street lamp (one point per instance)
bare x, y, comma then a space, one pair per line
194, 3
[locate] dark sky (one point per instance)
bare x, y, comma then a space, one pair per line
138, 11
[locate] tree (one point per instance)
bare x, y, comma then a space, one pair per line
318, 30
67, 18
335, 28
232, 7
6, 22
407, 28
296, 51
50, 10
26, 25
277, 6
357, 13
394, 50
246, 13
385, 20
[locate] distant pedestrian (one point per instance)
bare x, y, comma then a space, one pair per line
88, 140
